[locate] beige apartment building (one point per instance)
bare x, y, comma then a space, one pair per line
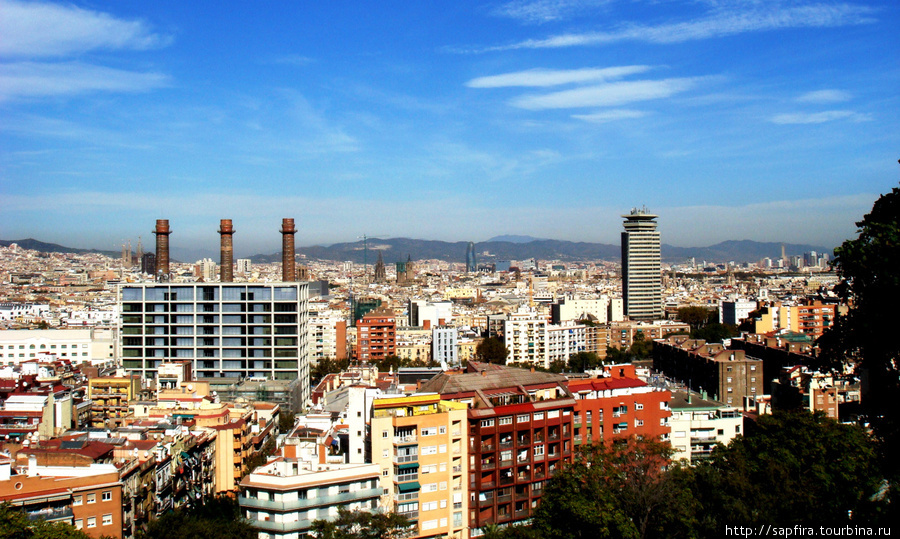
419, 442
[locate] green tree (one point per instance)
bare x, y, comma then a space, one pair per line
641, 346
218, 517
616, 355
870, 284
361, 525
325, 366
491, 350
619, 489
715, 332
694, 316
789, 468
582, 361
286, 420
15, 524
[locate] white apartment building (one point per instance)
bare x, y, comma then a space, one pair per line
23, 312
525, 336
322, 330
580, 309
88, 345
444, 341
425, 313
698, 425
564, 340
283, 498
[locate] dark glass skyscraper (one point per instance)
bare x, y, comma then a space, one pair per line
470, 258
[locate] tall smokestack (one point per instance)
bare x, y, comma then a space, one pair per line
288, 271
226, 269
162, 247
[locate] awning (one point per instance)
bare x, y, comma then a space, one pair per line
409, 466
408, 487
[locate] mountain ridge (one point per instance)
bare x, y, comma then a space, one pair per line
398, 249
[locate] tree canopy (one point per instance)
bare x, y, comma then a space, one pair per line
619, 489
361, 525
218, 517
491, 350
15, 524
870, 284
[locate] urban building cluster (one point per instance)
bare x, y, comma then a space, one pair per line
135, 385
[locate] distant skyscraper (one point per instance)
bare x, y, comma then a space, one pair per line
470, 258
641, 280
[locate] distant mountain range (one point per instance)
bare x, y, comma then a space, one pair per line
500, 248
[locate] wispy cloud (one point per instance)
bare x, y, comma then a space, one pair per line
296, 60
819, 117
610, 115
542, 11
39, 29
31, 79
720, 23
607, 95
554, 77
824, 96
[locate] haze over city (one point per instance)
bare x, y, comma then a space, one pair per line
769, 121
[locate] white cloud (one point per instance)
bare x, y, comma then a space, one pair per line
824, 96
38, 29
33, 79
606, 95
554, 77
819, 117
610, 115
721, 23
541, 11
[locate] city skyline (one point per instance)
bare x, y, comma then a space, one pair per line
772, 122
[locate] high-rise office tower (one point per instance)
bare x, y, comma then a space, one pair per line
641, 280
470, 258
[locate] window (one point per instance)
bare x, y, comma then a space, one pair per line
107, 519
538, 416
430, 487
506, 420
442, 429
91, 498
76, 500
638, 406
384, 434
522, 418
79, 524
92, 522
429, 506
429, 450
385, 473
487, 423
443, 485
106, 496
429, 431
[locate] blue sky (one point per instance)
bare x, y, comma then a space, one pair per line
766, 120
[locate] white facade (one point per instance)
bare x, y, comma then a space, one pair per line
87, 345
564, 340
641, 278
698, 425
243, 265
525, 336
23, 312
322, 331
283, 498
733, 311
444, 350
579, 309
435, 313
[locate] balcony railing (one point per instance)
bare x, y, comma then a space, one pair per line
295, 505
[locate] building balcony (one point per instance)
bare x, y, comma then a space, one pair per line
301, 504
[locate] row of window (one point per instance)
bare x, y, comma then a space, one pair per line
107, 520
105, 496
521, 418
41, 347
